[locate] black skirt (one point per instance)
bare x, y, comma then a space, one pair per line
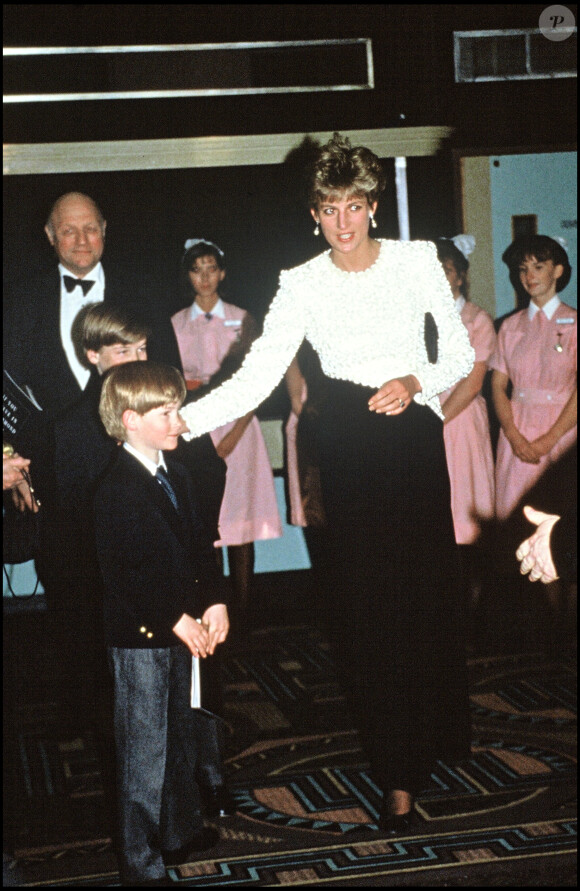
391, 577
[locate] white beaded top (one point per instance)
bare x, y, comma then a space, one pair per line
367, 327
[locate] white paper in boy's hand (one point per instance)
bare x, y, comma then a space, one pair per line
195, 699
195, 683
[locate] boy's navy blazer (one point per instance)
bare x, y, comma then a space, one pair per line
156, 563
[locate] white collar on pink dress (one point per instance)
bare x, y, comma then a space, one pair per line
218, 310
549, 309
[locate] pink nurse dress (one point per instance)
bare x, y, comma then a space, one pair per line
249, 510
468, 442
539, 356
297, 515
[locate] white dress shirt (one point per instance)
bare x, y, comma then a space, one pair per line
145, 461
70, 306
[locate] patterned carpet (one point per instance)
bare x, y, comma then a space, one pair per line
307, 805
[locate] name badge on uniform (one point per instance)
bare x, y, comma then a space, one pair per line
236, 324
566, 321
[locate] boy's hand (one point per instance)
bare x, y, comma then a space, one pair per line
194, 636
216, 620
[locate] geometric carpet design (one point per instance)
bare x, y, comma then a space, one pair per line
307, 805
353, 863
384, 858
343, 799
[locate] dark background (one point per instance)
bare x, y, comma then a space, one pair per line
413, 62
258, 215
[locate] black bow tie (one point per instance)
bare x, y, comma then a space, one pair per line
70, 284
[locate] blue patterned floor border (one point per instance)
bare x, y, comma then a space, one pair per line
369, 859
384, 857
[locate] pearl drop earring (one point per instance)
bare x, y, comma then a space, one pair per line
317, 229
373, 221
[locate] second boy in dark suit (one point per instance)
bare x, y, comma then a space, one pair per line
82, 451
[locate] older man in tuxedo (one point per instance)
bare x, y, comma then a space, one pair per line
40, 344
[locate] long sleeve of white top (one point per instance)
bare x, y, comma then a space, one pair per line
367, 327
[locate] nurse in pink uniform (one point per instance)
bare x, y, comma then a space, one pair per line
536, 352
212, 337
466, 427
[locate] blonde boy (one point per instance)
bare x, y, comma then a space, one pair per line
159, 574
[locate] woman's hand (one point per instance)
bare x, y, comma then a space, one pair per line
395, 396
544, 444
523, 449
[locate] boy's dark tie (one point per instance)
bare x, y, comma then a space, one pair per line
163, 479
